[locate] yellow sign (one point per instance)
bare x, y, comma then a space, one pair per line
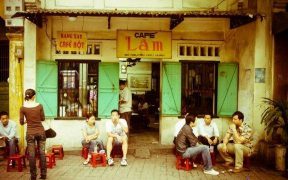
144, 44
71, 41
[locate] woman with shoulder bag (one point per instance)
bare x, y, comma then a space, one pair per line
34, 114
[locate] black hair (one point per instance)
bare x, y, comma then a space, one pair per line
3, 113
239, 114
115, 110
122, 82
190, 118
209, 114
29, 93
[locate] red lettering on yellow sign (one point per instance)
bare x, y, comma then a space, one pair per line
144, 45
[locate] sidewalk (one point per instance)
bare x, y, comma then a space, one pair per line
158, 167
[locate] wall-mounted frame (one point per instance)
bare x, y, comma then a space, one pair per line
139, 82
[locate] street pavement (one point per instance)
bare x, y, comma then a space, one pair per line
158, 167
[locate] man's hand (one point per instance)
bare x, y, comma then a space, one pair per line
224, 148
209, 141
87, 139
215, 141
233, 127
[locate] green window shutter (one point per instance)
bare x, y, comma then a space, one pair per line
46, 86
108, 88
171, 89
227, 89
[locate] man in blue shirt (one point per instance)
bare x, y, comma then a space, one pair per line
8, 132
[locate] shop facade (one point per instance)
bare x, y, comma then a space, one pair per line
209, 66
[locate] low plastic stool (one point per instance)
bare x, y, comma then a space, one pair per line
50, 160
58, 151
246, 162
84, 152
98, 159
19, 159
117, 151
183, 163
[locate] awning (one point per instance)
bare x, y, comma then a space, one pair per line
237, 18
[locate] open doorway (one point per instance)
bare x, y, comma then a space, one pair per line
143, 80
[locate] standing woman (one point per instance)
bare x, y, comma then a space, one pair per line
34, 114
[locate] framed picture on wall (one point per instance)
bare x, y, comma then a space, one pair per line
139, 82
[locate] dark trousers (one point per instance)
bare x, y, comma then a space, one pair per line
203, 140
40, 139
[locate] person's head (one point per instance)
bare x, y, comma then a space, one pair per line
190, 120
91, 120
207, 118
122, 84
238, 118
4, 117
30, 94
115, 115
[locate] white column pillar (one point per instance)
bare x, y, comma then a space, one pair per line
29, 55
263, 59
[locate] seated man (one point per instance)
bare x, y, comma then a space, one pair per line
91, 139
242, 146
208, 131
8, 132
179, 126
187, 145
117, 130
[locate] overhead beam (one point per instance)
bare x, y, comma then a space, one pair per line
175, 21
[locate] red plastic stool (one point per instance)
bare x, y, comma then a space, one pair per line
84, 152
183, 163
117, 151
16, 158
98, 159
246, 162
213, 158
58, 151
50, 160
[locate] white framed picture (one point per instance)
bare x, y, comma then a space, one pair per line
139, 82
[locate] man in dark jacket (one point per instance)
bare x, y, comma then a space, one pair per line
187, 145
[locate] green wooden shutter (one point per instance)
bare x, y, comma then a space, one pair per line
227, 89
46, 86
108, 88
171, 89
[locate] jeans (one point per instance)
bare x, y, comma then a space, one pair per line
91, 145
31, 143
204, 150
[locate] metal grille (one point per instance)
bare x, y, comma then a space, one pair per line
4, 61
78, 88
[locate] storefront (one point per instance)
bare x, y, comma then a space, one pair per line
208, 66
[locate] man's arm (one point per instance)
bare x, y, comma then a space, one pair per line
240, 138
12, 132
124, 126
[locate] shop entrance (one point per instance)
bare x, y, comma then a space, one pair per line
143, 79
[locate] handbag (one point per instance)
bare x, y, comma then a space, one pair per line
50, 133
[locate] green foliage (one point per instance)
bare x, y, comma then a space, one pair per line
275, 116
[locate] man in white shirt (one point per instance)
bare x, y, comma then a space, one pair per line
8, 132
125, 102
117, 130
208, 131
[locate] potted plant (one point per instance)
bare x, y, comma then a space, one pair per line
275, 118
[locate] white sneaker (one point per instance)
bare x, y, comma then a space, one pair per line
211, 172
86, 162
124, 162
110, 162
195, 165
